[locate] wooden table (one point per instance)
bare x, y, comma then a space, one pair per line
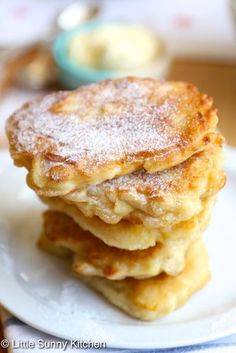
1, 338
217, 80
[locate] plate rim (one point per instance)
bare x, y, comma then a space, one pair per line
198, 330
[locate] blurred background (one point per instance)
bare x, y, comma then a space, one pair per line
56, 44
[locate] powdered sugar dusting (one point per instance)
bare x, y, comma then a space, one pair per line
115, 121
158, 183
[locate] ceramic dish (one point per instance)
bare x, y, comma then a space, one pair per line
73, 75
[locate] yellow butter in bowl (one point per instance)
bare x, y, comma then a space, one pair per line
115, 47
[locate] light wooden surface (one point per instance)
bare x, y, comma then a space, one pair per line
1, 338
217, 80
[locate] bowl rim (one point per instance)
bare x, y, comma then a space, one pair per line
63, 60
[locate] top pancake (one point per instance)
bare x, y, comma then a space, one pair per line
72, 139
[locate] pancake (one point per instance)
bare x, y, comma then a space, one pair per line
94, 258
148, 299
125, 235
155, 200
69, 140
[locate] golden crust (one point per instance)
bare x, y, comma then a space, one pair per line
94, 258
151, 298
125, 235
68, 140
155, 200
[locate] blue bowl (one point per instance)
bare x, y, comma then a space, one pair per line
72, 75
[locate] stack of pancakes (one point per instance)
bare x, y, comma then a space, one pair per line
129, 169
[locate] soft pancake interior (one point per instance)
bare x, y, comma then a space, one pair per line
155, 200
92, 257
128, 236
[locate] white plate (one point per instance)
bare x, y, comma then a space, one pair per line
38, 287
